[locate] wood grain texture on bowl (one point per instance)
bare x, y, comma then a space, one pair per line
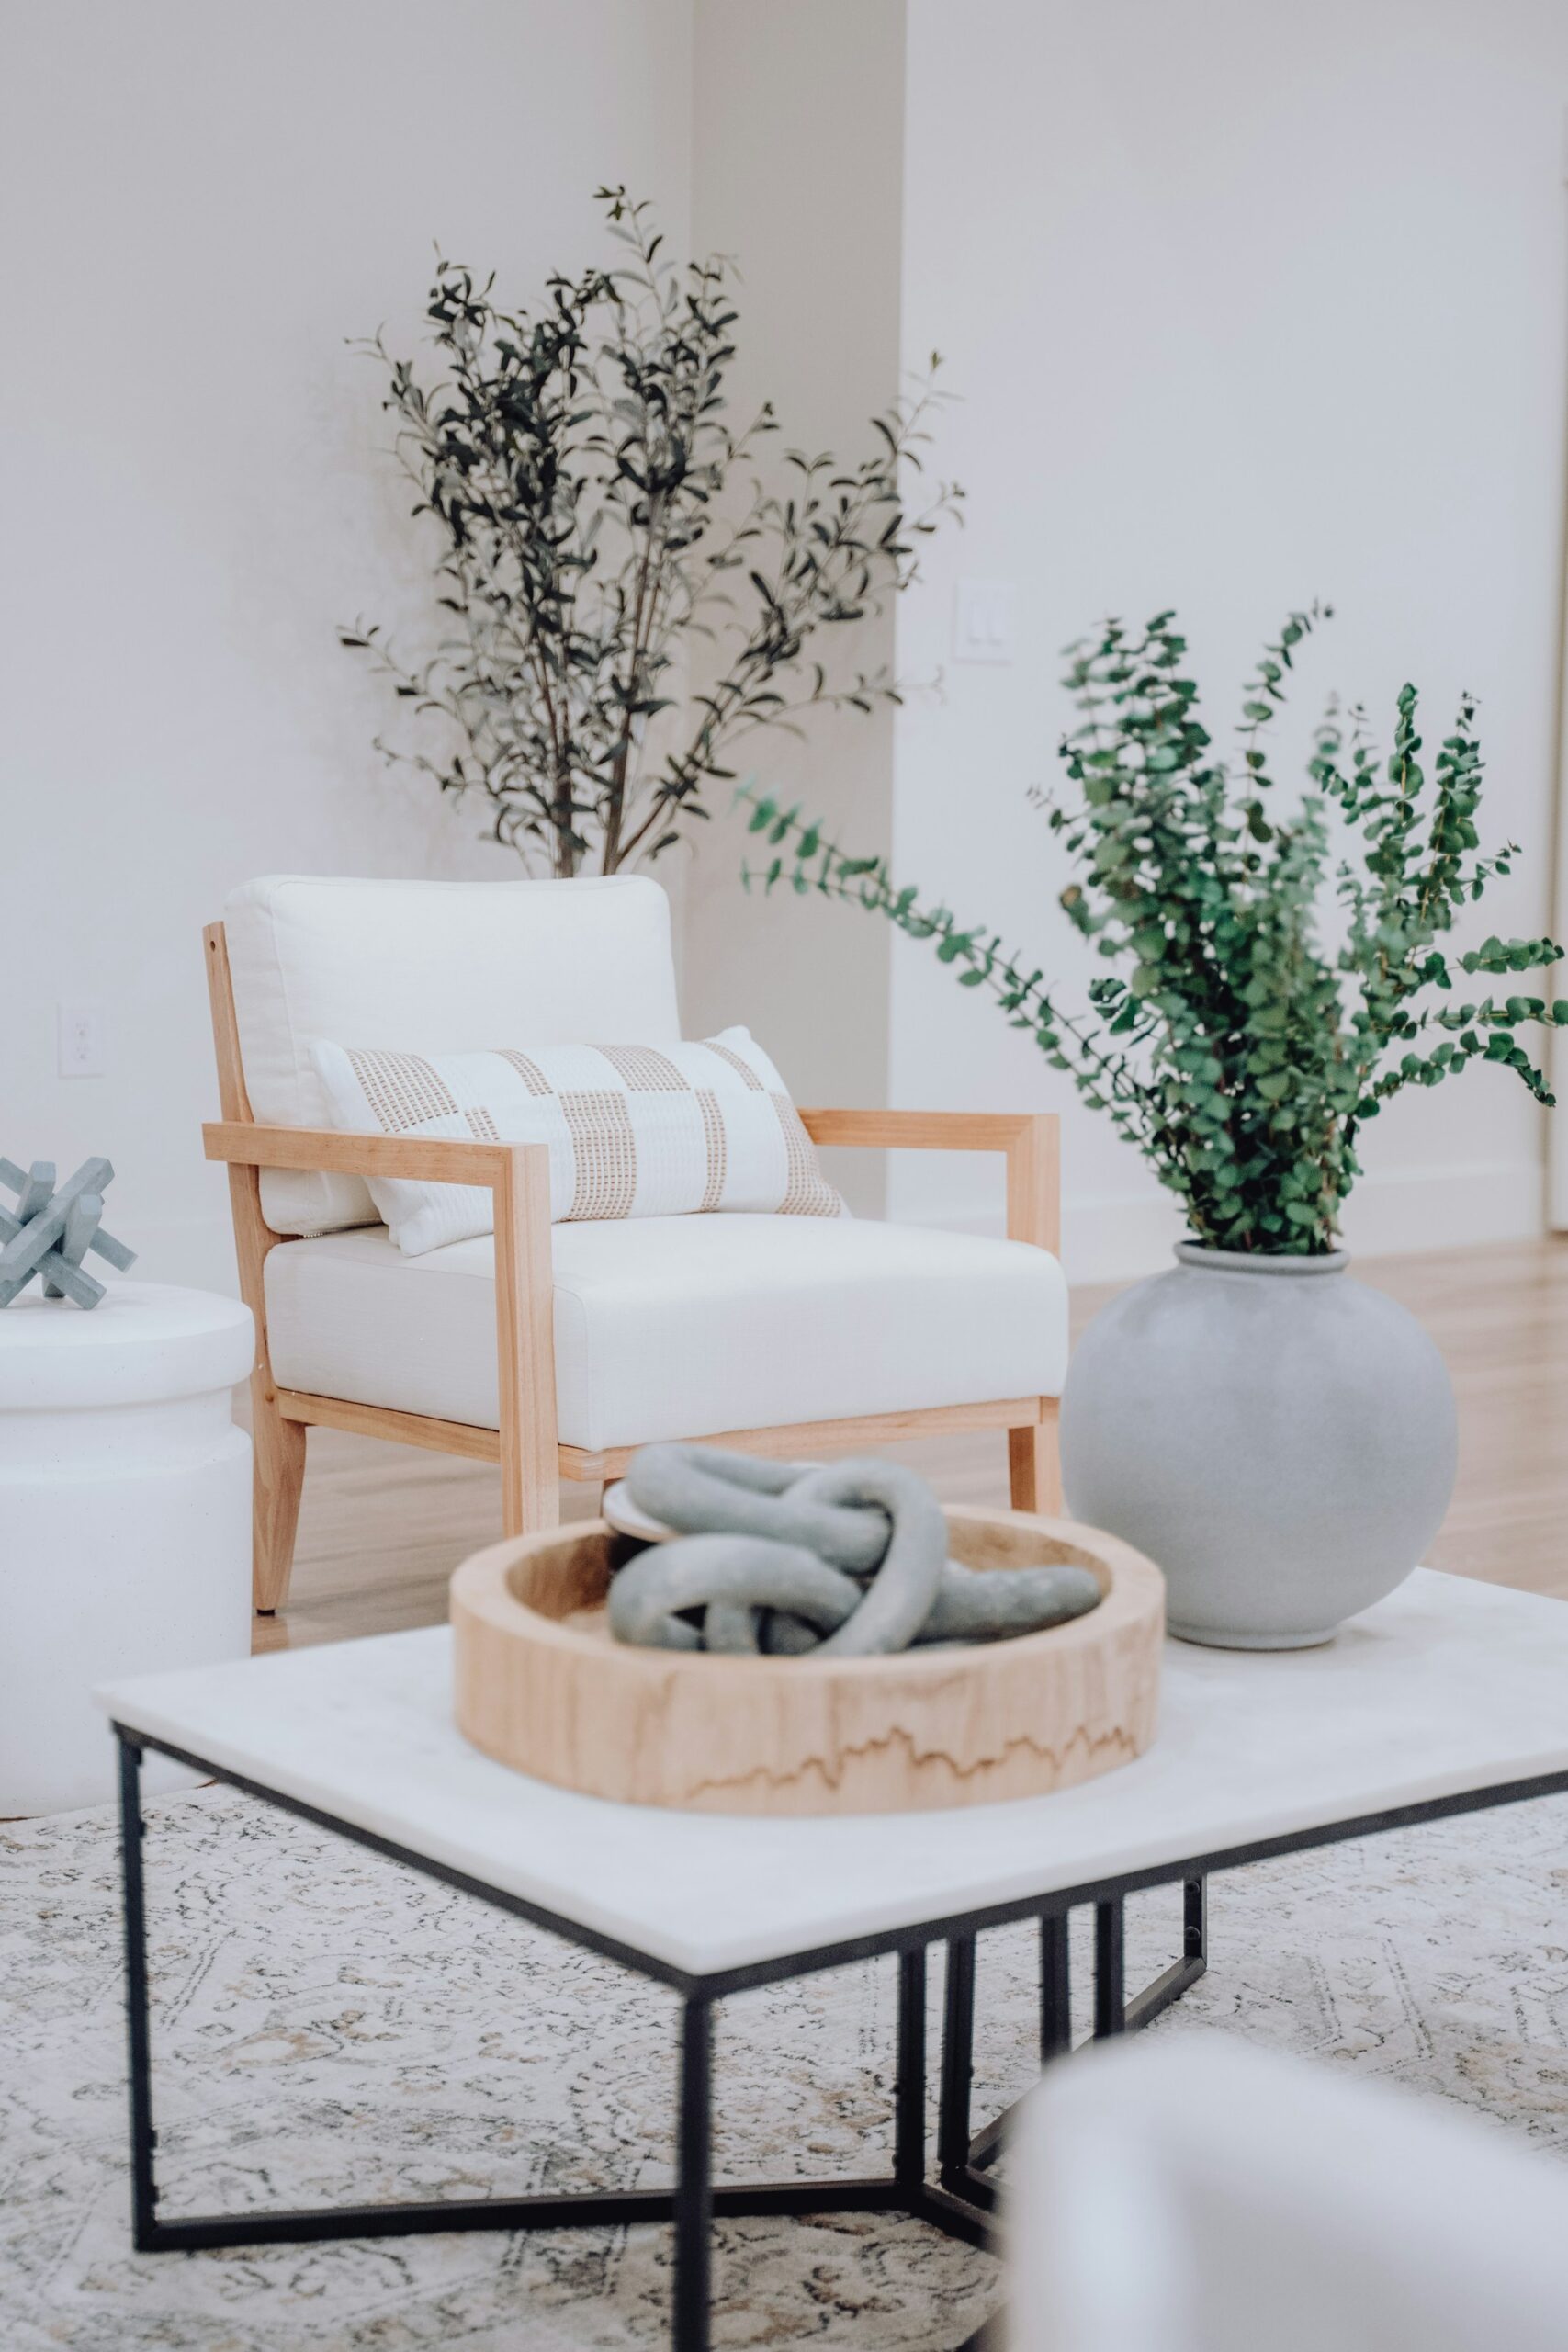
542, 1686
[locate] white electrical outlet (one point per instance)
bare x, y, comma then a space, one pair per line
983, 622
81, 1041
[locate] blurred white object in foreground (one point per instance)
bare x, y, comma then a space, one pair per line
1195, 2194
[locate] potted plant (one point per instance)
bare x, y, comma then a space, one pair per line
1278, 1436
597, 521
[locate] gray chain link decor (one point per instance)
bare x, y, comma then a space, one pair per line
847, 1561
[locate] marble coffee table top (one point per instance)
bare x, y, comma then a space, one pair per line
1448, 1686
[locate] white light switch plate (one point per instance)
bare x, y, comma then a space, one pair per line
983, 625
81, 1041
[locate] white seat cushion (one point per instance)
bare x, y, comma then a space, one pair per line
429, 967
682, 1325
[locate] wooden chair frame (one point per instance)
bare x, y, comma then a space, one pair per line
531, 1458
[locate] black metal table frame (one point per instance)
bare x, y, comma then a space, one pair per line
958, 2201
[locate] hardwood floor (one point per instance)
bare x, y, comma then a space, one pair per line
383, 1527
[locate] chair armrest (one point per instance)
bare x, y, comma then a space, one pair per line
429, 1159
1030, 1140
921, 1130
519, 1176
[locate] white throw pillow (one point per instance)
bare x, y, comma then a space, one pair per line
632, 1130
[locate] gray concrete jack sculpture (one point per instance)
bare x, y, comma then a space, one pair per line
48, 1233
847, 1561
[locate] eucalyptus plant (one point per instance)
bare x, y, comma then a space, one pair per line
1279, 976
596, 515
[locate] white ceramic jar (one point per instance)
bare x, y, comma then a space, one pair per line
1279, 1439
125, 1519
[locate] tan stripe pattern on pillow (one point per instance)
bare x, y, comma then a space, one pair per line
632, 1130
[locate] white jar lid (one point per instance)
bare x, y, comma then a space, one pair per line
142, 1343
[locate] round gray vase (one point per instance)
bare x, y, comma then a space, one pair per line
1280, 1438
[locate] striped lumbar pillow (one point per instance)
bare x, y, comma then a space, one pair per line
632, 1130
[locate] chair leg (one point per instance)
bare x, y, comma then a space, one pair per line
279, 1456
525, 1352
1034, 1469
530, 1484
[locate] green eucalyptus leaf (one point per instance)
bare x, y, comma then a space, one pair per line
1246, 1038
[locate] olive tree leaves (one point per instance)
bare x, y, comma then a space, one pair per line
1236, 1051
595, 513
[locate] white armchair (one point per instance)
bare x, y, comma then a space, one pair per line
1197, 2194
556, 1351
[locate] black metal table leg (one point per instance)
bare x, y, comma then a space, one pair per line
1110, 1997
1156, 1998
1055, 2029
1109, 1968
956, 2168
143, 2138
1195, 1918
957, 2062
694, 2180
959, 2199
1056, 1988
909, 2092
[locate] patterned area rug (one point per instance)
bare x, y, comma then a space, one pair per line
330, 2028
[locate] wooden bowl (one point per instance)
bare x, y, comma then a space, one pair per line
541, 1685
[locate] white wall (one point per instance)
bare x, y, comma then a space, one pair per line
1249, 303
201, 204
797, 156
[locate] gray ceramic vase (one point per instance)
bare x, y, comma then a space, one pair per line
1279, 1438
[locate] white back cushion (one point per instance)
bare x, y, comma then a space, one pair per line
429, 967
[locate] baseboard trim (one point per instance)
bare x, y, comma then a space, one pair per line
1404, 1211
